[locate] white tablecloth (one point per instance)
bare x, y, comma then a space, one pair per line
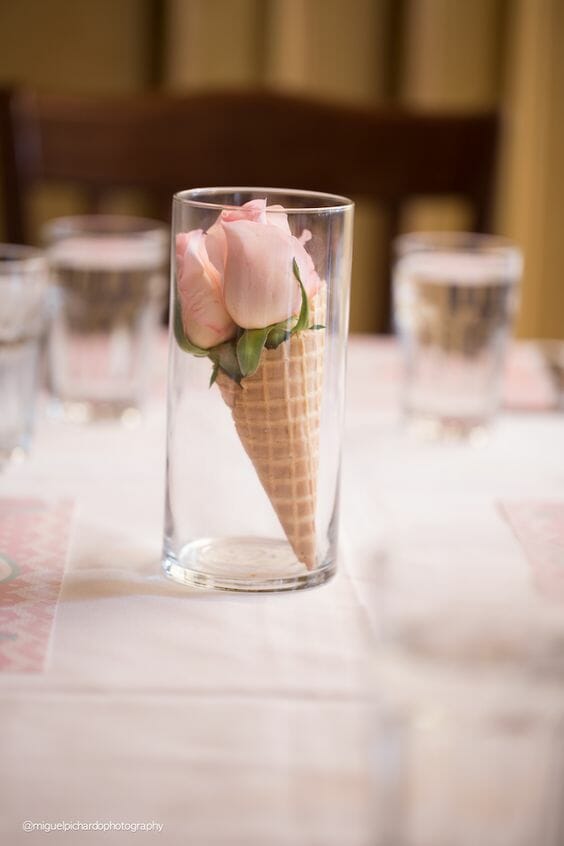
243, 719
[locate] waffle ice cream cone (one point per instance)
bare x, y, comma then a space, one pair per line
276, 413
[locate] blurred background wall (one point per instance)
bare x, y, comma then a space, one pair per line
433, 54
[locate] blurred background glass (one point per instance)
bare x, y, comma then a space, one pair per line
109, 281
23, 311
455, 298
430, 54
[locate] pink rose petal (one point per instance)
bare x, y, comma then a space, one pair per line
205, 319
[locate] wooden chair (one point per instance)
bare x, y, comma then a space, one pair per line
161, 144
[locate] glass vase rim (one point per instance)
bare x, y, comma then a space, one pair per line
455, 241
338, 202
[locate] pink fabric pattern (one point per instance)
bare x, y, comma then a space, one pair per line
34, 538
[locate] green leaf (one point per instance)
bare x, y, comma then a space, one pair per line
318, 326
249, 348
181, 339
225, 357
277, 336
279, 332
215, 371
303, 318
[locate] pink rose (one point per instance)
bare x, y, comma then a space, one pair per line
276, 216
255, 210
240, 273
258, 280
205, 319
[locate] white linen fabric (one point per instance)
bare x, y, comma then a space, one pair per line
245, 719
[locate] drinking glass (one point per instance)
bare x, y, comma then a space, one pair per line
259, 319
109, 277
23, 295
455, 297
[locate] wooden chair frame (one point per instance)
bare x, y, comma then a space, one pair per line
163, 143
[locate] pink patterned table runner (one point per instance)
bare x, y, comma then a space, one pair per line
539, 526
34, 537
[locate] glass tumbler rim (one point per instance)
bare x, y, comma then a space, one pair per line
20, 257
454, 241
333, 202
134, 226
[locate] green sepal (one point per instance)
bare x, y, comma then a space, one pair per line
215, 371
224, 357
279, 332
277, 336
249, 349
303, 318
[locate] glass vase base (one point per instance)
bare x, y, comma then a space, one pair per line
244, 564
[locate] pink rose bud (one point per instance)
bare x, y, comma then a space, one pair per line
253, 210
276, 216
205, 319
260, 287
215, 237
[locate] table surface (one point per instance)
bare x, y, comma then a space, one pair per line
245, 719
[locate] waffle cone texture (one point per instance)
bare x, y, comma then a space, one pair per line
276, 412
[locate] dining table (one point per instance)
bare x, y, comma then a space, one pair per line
137, 710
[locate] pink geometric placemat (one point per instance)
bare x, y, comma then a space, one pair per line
539, 526
34, 537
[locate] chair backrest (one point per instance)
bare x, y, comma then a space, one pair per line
162, 143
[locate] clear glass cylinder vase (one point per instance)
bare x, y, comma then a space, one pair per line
258, 330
